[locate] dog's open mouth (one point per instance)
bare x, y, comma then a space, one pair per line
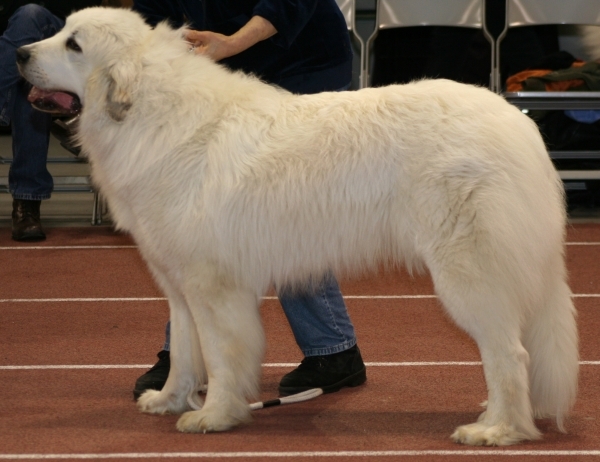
54, 102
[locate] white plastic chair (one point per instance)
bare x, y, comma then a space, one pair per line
409, 13
348, 8
543, 12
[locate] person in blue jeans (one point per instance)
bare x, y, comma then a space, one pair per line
29, 179
303, 47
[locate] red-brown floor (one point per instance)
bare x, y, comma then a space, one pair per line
80, 320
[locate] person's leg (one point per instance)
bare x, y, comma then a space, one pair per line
29, 179
325, 334
319, 319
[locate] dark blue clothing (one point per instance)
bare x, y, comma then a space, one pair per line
311, 34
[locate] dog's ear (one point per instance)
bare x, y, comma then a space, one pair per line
122, 82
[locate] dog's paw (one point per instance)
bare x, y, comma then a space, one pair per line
205, 420
156, 402
480, 434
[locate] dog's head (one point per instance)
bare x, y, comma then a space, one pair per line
97, 45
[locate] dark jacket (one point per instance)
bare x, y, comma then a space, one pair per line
311, 34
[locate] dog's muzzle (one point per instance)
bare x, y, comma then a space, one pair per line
53, 102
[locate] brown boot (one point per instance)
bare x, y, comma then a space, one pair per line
26, 224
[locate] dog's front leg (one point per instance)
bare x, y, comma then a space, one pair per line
186, 374
232, 341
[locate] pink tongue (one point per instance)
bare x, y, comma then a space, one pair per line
53, 101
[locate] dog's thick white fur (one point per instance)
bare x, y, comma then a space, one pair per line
229, 186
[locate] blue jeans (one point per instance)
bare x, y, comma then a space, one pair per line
28, 177
318, 318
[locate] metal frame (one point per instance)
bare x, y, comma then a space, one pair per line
348, 8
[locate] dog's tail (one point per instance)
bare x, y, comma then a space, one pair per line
551, 339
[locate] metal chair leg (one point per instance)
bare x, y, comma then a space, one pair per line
97, 210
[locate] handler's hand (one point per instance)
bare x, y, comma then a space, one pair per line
211, 44
218, 46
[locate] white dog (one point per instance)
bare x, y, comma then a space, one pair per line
229, 186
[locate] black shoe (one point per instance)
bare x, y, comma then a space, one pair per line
26, 224
155, 378
330, 373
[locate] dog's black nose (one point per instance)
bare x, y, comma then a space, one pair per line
23, 55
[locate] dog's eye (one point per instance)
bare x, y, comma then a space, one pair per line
72, 44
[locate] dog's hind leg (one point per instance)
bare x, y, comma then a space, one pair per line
186, 374
232, 340
483, 307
